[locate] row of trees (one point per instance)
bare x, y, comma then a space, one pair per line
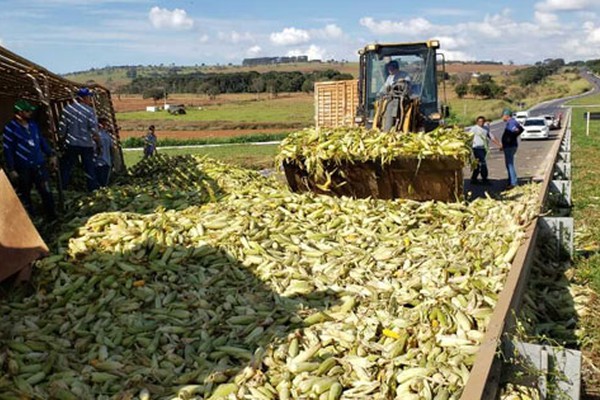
537, 73
484, 86
239, 82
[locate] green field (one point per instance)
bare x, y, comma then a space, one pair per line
248, 156
297, 109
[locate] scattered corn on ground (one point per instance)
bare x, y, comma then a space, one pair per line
212, 282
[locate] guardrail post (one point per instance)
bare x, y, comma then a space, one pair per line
564, 156
563, 366
561, 229
562, 170
565, 144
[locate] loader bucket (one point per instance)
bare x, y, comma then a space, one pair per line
20, 242
421, 180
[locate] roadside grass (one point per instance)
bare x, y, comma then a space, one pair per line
586, 212
243, 155
299, 109
586, 192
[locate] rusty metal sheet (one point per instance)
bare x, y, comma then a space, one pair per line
20, 242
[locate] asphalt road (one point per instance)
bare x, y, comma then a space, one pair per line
532, 157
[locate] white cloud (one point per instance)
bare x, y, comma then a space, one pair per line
452, 43
235, 37
290, 36
592, 33
563, 5
414, 27
313, 52
204, 38
545, 18
333, 31
176, 19
254, 51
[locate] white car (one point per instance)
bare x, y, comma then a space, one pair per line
549, 120
521, 116
535, 128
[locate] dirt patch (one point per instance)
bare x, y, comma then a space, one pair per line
198, 134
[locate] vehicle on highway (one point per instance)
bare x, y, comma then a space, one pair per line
535, 128
549, 120
521, 116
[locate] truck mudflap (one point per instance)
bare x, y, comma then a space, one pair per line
20, 242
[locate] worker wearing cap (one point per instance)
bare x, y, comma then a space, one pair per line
78, 130
24, 151
510, 142
394, 75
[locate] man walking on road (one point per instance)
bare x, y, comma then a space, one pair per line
79, 131
510, 142
481, 139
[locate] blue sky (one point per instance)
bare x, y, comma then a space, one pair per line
72, 35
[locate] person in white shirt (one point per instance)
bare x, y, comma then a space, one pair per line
394, 75
481, 139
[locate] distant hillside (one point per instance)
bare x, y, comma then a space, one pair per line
114, 77
117, 76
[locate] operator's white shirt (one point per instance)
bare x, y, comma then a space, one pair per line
391, 79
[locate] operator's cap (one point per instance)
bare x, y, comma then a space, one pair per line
23, 105
84, 92
507, 111
392, 63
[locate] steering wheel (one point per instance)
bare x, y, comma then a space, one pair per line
400, 88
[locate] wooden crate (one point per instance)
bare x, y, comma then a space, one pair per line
335, 103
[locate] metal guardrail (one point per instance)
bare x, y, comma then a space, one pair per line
486, 371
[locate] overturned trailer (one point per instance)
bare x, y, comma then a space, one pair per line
20, 244
23, 79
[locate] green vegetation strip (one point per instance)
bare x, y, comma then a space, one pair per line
586, 192
586, 211
133, 142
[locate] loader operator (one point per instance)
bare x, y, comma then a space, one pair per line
24, 150
395, 87
394, 75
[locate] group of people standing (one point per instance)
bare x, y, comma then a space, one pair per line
508, 144
83, 138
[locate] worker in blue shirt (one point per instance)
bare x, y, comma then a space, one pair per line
104, 147
510, 142
150, 142
24, 151
78, 130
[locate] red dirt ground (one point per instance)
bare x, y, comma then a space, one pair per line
198, 134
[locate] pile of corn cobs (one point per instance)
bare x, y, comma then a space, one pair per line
222, 284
